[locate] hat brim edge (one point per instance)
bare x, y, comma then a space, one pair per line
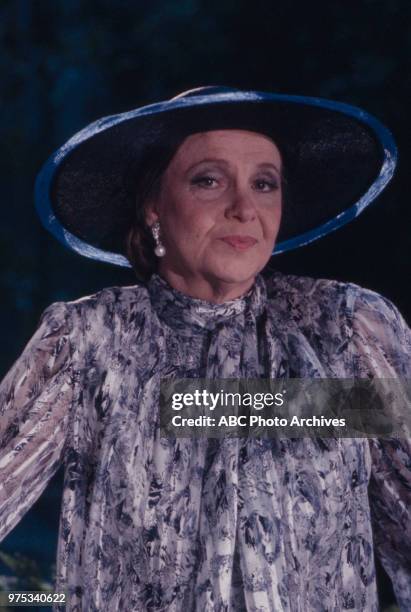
42, 197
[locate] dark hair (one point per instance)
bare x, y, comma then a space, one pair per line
143, 182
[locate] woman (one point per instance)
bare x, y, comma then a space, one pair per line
221, 177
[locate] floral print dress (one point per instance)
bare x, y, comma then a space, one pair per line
229, 525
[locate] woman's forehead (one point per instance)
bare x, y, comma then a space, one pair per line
230, 143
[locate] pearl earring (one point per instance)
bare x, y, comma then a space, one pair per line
160, 250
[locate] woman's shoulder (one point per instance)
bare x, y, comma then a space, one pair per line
320, 299
309, 295
112, 299
307, 287
100, 314
321, 291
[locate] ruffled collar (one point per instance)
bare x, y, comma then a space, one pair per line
178, 310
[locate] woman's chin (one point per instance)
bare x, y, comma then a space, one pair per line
235, 272
237, 266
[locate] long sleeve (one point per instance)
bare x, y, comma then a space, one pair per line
382, 343
35, 400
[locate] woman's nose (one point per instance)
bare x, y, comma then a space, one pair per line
241, 206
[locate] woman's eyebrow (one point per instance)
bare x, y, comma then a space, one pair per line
262, 165
269, 165
208, 160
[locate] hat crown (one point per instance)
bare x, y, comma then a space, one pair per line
205, 90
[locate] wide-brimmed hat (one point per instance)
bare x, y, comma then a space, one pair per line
337, 159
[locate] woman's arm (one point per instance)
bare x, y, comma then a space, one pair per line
35, 400
382, 344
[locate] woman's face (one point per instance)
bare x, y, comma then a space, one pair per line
219, 210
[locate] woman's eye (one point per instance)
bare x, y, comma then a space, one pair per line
204, 181
265, 185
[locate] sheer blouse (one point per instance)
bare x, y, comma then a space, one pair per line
151, 523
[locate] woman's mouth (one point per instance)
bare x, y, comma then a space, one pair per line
241, 243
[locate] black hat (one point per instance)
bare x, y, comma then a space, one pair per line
337, 159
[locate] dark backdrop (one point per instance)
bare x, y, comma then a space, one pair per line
64, 63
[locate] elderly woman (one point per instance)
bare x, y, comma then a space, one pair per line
196, 193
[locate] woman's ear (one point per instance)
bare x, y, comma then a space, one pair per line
150, 213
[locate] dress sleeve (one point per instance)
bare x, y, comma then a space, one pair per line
35, 399
382, 342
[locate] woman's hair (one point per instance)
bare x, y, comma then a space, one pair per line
144, 184
143, 181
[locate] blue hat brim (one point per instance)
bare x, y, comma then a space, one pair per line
47, 206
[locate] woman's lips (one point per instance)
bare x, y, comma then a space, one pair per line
240, 242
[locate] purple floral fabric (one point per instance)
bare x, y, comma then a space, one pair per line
150, 523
